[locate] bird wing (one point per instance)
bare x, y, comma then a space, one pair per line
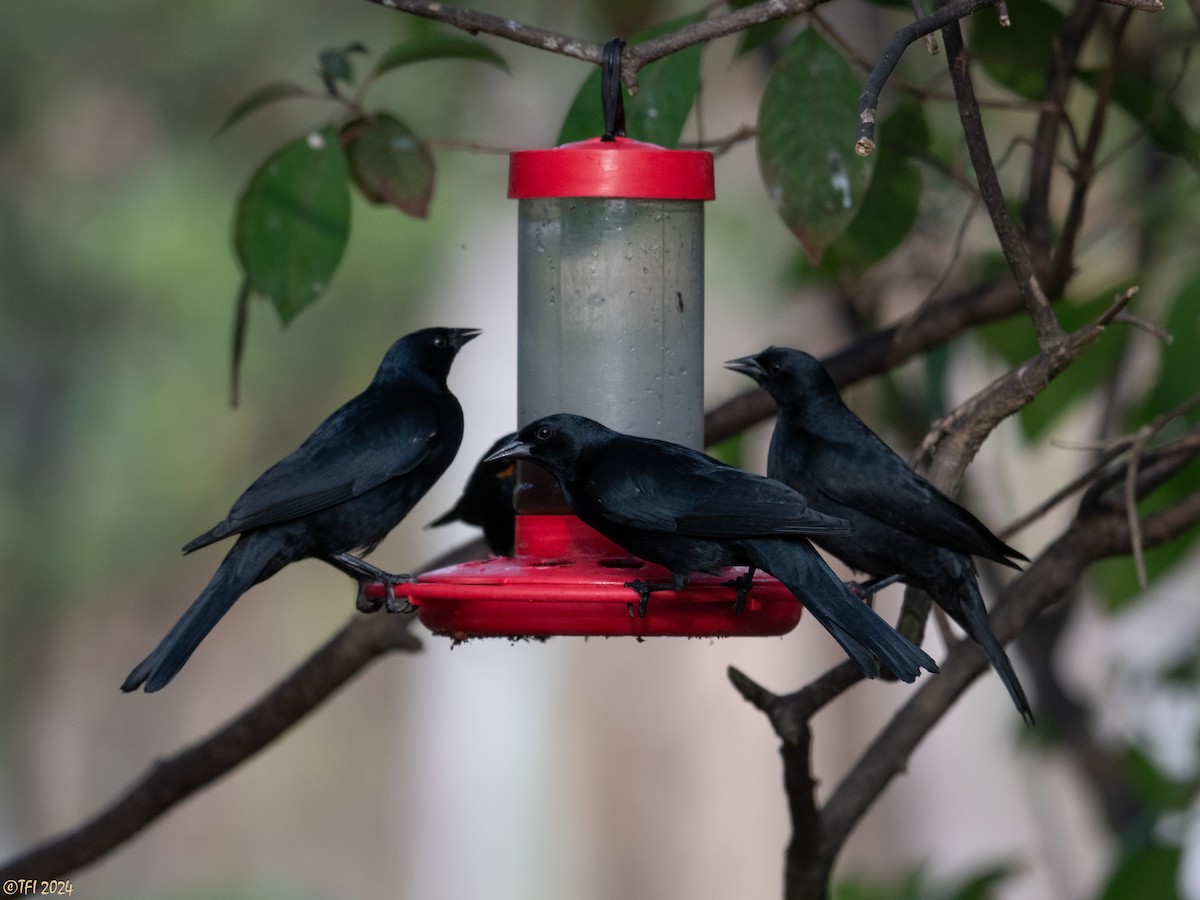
673, 489
356, 449
868, 476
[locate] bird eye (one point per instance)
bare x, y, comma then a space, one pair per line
544, 433
774, 368
440, 342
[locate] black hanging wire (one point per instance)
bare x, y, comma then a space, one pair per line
611, 96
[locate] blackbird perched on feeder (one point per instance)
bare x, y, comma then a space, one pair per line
902, 523
676, 507
487, 501
342, 490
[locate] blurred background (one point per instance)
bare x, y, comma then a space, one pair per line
583, 769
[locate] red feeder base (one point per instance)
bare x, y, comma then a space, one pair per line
567, 579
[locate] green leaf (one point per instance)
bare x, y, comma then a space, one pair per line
267, 94
335, 65
1147, 871
1151, 108
389, 163
437, 46
806, 127
293, 221
888, 210
1019, 56
657, 113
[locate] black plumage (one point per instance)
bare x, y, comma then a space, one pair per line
487, 501
690, 513
901, 523
352, 481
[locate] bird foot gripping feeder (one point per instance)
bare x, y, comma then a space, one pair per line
611, 326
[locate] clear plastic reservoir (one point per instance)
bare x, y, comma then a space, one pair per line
611, 313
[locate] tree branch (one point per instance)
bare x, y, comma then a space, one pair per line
168, 782
634, 57
930, 326
475, 22
966, 427
1085, 165
890, 57
172, 780
1067, 46
1048, 579
1012, 243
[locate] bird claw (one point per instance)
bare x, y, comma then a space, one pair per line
390, 601
644, 590
365, 604
865, 590
742, 586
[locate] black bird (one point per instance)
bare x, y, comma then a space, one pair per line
690, 513
342, 490
487, 501
902, 523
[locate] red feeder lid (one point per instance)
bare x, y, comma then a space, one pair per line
617, 168
567, 579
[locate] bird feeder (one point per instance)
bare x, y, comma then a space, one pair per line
610, 286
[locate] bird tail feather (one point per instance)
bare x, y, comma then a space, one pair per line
865, 637
972, 615
239, 571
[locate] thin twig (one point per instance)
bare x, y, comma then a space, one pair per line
1012, 242
1068, 44
1131, 512
1084, 170
974, 419
931, 44
1143, 5
1151, 328
869, 99
722, 145
475, 22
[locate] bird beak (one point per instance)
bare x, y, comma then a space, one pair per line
514, 449
462, 335
747, 365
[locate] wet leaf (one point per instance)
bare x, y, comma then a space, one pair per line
888, 210
293, 221
806, 127
658, 111
389, 163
